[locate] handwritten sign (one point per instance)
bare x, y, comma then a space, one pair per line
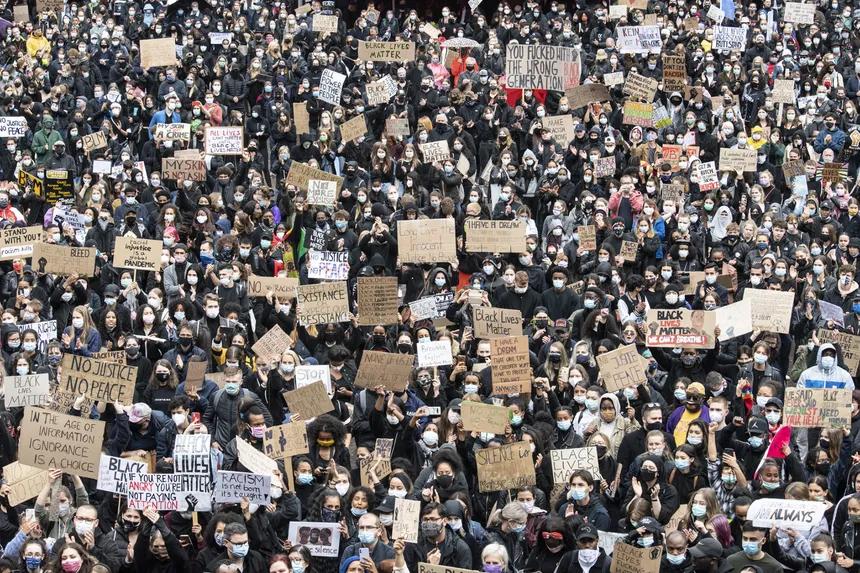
386, 51
328, 265
807, 408
426, 241
377, 300
510, 363
135, 253
50, 440
310, 401
786, 513
62, 260
680, 327
301, 174
94, 141
490, 322
639, 39
386, 369
628, 558
158, 52
233, 487
29, 390
331, 84
170, 492
224, 140
24, 481
406, 515
730, 38
321, 538
507, 467
539, 66
565, 462
102, 381
435, 151
640, 88
480, 417
799, 12
283, 287
13, 127
739, 160
674, 73
434, 353
286, 440
174, 168
322, 303
114, 473
622, 368
770, 310
497, 236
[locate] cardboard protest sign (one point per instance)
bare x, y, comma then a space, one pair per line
730, 38
257, 462
674, 73
560, 127
321, 538
480, 417
680, 327
783, 91
282, 287
324, 23
353, 128
639, 39
173, 131
94, 141
622, 368
734, 320
434, 353
311, 373
103, 381
793, 168
384, 368
796, 514
640, 88
25, 482
426, 241
174, 168
13, 127
191, 454
373, 465
286, 440
386, 51
617, 11
483, 236
799, 12
565, 462
331, 84
507, 467
770, 310
60, 260
114, 473
397, 126
810, 408
273, 343
300, 175
134, 253
581, 96
587, 237
328, 265
157, 53
629, 251
221, 140
17, 242
29, 390
849, 346
322, 303
406, 515
301, 117
715, 14
232, 487
170, 492
377, 300
540, 66
491, 322
50, 440
833, 172
628, 558
739, 160
510, 364
310, 401
435, 151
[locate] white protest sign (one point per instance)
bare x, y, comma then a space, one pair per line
114, 473
191, 454
14, 127
328, 265
786, 513
306, 375
47, 331
331, 84
639, 39
29, 390
231, 487
435, 353
565, 462
730, 38
170, 492
322, 192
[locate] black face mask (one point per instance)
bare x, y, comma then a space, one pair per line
647, 475
444, 481
186, 342
654, 426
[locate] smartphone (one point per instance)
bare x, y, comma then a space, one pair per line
729, 451
364, 553
30, 515
195, 417
185, 540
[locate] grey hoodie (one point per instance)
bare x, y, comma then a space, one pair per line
818, 377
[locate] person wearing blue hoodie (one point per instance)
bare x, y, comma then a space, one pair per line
826, 373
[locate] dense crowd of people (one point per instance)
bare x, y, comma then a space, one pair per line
682, 457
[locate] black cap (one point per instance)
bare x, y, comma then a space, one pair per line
587, 531
707, 547
386, 506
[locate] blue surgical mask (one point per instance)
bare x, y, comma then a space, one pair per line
341, 225
682, 464
698, 510
770, 485
751, 548
231, 388
563, 425
756, 442
297, 566
577, 494
367, 537
676, 559
33, 563
646, 541
516, 420
240, 550
305, 479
